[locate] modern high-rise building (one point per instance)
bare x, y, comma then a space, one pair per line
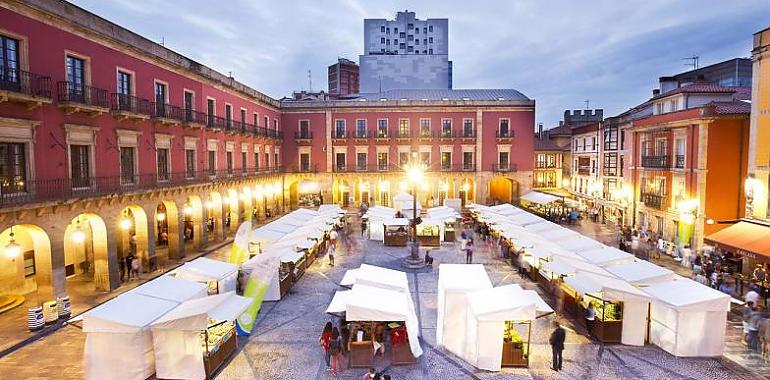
405, 53
343, 78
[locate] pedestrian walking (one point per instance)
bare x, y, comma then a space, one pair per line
558, 336
363, 228
323, 341
335, 350
746, 314
331, 254
469, 251
129, 259
754, 316
136, 267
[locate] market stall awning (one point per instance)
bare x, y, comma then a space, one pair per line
641, 272
463, 277
396, 222
605, 255
685, 294
745, 238
125, 314
375, 276
565, 267
610, 288
194, 315
170, 288
539, 198
504, 303
206, 269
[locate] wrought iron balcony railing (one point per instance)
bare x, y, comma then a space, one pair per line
504, 134
658, 162
24, 82
132, 104
655, 201
82, 94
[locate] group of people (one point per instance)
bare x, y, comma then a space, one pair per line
334, 342
756, 323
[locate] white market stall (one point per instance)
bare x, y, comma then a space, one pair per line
404, 203
281, 279
621, 308
262, 238
220, 276
559, 234
688, 319
454, 282
170, 288
640, 272
371, 275
579, 244
499, 326
396, 232
604, 256
368, 307
539, 198
197, 337
118, 337
430, 232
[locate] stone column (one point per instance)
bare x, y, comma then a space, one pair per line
176, 236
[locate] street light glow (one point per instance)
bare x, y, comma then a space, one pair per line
125, 224
414, 173
12, 249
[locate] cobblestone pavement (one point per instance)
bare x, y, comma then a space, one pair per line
284, 344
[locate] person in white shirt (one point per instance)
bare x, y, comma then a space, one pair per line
752, 296
661, 246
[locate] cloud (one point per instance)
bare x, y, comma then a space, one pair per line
558, 52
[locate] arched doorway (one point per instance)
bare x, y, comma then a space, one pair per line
133, 239
193, 220
25, 263
384, 193
215, 224
443, 192
167, 243
342, 193
467, 191
503, 190
86, 257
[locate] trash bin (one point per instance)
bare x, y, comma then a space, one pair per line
63, 304
50, 312
35, 319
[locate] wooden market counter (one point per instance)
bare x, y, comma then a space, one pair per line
605, 331
395, 238
429, 240
216, 357
401, 354
449, 235
513, 355
361, 354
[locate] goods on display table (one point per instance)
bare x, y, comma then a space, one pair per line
118, 337
372, 312
449, 230
687, 318
500, 326
429, 232
455, 281
220, 276
396, 232
197, 337
620, 308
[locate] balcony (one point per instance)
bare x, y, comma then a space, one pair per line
544, 184
404, 135
303, 137
58, 189
545, 165
468, 134
655, 201
167, 115
194, 119
504, 168
382, 136
305, 168
425, 135
447, 134
584, 171
89, 100
24, 87
657, 162
504, 135
127, 107
340, 168
361, 135
468, 166
679, 161
339, 137
216, 123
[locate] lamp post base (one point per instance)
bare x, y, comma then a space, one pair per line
414, 261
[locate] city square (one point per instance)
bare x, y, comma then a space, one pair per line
160, 219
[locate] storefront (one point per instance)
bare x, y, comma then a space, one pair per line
197, 337
747, 241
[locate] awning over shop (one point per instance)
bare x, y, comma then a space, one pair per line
539, 198
746, 238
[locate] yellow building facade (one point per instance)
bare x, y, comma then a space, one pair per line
758, 181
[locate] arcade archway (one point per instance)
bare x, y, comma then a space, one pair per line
167, 242
133, 238
86, 257
25, 263
503, 190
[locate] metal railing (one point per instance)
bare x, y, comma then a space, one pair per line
309, 168
130, 103
48, 190
507, 168
303, 135
656, 161
447, 134
168, 111
679, 161
24, 82
361, 134
467, 133
81, 94
194, 117
339, 135
545, 165
404, 134
655, 201
215, 122
504, 134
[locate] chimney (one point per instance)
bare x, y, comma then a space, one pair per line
599, 113
540, 130
655, 92
561, 123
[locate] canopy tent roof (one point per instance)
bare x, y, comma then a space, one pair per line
208, 269
606, 256
375, 276
396, 222
279, 226
543, 226
265, 235
506, 303
382, 208
193, 315
402, 197
339, 301
547, 251
440, 209
170, 288
608, 288
539, 198
566, 267
432, 221
292, 257
559, 234
640, 271
463, 277
743, 236
330, 208
257, 260
579, 244
379, 214
503, 207
524, 219
685, 294
308, 232
125, 314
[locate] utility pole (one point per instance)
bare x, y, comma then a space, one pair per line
310, 80
693, 61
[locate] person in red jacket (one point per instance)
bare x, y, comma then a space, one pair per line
323, 341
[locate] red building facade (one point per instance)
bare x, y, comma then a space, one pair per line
112, 145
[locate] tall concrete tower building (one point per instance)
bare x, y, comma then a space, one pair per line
405, 53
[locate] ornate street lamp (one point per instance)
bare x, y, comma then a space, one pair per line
125, 222
414, 174
78, 236
12, 249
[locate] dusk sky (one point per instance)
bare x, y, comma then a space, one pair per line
559, 53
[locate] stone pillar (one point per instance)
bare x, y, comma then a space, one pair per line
107, 269
50, 274
176, 236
